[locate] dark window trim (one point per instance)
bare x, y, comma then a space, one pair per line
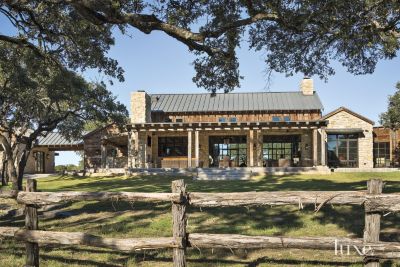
346, 163
177, 145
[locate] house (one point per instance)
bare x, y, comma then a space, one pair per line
41, 159
261, 129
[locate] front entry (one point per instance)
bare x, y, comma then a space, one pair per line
39, 161
228, 151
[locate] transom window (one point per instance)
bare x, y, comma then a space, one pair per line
382, 154
276, 118
343, 150
233, 119
172, 146
221, 119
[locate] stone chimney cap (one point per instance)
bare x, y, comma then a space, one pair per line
142, 91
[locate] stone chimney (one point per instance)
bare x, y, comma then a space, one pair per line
307, 86
140, 107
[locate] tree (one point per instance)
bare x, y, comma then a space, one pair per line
295, 36
391, 118
37, 97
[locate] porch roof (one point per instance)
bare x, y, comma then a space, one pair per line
181, 126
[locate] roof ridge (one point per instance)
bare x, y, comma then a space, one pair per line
275, 92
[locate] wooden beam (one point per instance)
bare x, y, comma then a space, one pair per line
378, 249
45, 198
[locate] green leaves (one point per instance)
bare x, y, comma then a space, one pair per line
38, 97
391, 118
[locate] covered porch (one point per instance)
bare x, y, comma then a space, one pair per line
227, 145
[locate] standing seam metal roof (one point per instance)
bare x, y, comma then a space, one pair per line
55, 138
259, 101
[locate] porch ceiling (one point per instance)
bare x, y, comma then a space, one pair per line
211, 126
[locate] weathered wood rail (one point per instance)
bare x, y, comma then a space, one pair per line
373, 200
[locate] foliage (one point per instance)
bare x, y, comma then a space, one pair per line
37, 97
67, 167
391, 118
294, 36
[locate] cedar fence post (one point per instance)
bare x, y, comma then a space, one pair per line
372, 226
179, 222
31, 223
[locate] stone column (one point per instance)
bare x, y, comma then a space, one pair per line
189, 156
251, 148
196, 147
323, 147
103, 154
135, 149
259, 152
130, 150
315, 147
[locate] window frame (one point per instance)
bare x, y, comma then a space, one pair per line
342, 148
172, 143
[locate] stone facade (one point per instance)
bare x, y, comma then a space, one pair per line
346, 120
140, 107
49, 162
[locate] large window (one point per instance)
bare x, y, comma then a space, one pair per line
382, 154
172, 146
280, 147
343, 150
228, 151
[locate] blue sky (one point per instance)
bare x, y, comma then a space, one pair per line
159, 64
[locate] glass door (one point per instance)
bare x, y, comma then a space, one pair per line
227, 151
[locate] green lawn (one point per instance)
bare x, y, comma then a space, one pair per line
124, 220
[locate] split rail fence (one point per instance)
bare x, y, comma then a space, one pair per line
375, 202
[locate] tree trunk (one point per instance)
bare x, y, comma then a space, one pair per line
4, 177
12, 174
21, 168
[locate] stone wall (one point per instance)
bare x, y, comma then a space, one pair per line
49, 162
140, 107
345, 120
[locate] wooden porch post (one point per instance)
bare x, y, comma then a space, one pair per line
251, 148
323, 147
197, 148
103, 154
189, 157
315, 147
130, 159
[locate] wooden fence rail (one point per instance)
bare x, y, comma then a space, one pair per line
369, 246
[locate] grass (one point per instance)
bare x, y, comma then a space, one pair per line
124, 220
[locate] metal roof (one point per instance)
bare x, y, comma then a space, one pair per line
56, 139
344, 130
258, 101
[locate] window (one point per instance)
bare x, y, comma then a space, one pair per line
172, 146
233, 119
342, 150
178, 120
276, 118
221, 119
286, 118
280, 147
167, 120
228, 151
382, 154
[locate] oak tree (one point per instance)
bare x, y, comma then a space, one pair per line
294, 36
37, 98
